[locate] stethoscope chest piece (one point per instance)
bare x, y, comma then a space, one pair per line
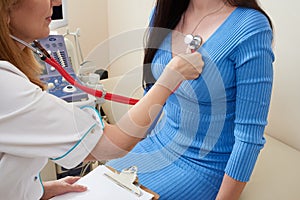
193, 42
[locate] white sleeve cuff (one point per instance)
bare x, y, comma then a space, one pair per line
84, 145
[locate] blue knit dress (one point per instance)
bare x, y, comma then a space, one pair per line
214, 124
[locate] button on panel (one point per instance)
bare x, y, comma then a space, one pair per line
69, 89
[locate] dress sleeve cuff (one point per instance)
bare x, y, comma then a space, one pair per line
242, 160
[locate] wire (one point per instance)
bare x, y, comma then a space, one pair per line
85, 168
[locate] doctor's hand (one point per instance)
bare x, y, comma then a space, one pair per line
61, 186
181, 67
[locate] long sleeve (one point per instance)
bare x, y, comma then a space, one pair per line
254, 77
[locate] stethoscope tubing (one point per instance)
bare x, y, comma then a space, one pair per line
97, 93
46, 57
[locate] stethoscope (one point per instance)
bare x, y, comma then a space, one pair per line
194, 42
42, 53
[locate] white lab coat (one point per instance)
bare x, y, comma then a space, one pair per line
35, 126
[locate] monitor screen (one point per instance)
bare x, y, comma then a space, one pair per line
59, 16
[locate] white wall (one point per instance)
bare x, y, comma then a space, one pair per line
284, 118
91, 17
120, 49
127, 21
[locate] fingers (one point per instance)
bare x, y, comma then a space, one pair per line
70, 179
191, 66
70, 186
62, 186
188, 50
76, 188
180, 68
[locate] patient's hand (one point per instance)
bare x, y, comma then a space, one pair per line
181, 67
61, 186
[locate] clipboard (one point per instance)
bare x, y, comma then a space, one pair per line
105, 182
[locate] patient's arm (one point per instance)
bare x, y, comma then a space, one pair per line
152, 126
120, 138
230, 189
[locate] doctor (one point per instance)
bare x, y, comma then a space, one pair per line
35, 126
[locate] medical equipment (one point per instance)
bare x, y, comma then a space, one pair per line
46, 57
59, 16
57, 85
77, 47
193, 42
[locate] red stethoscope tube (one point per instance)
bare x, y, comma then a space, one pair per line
45, 56
97, 93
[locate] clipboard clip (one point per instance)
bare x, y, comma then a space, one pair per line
127, 179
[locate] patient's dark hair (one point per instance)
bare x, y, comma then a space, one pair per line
167, 15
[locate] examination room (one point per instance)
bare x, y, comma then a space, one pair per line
149, 99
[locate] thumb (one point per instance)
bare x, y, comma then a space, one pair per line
70, 179
188, 50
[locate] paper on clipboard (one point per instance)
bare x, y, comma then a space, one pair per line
100, 187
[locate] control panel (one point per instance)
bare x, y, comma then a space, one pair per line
57, 85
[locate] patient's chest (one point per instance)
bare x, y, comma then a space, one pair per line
216, 82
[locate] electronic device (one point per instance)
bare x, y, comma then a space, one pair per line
57, 85
55, 45
59, 16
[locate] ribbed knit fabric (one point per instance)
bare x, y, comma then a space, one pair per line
214, 124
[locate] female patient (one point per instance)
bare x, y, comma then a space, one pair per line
207, 142
35, 125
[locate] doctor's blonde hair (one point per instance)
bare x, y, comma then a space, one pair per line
24, 59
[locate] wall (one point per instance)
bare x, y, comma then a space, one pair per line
127, 21
284, 114
91, 17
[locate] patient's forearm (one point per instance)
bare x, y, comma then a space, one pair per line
140, 117
112, 146
230, 189
119, 139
